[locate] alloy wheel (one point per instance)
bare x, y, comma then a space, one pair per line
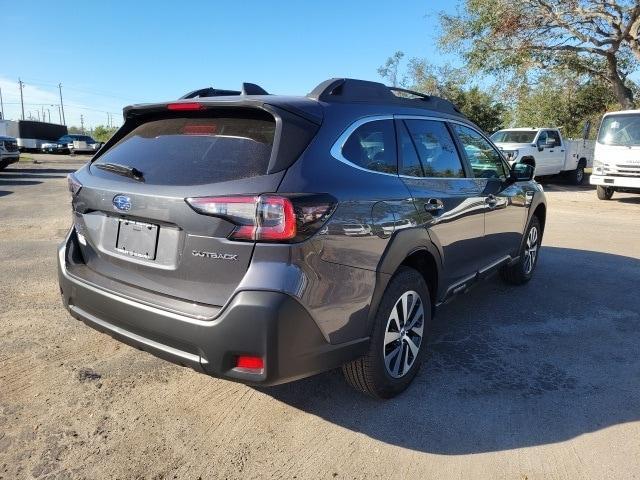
403, 334
531, 251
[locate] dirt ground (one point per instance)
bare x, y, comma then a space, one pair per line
541, 381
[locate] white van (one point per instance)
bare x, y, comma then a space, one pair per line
616, 163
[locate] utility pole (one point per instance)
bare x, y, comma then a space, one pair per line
59, 114
49, 114
1, 106
38, 112
21, 83
64, 122
81, 124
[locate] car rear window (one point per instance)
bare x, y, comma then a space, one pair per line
195, 151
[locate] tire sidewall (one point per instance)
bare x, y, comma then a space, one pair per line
404, 280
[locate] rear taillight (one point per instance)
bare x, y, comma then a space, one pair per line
268, 218
74, 184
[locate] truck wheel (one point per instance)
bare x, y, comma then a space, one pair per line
604, 193
576, 177
521, 272
398, 341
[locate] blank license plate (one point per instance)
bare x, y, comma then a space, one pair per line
137, 239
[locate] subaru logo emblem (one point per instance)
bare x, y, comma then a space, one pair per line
122, 203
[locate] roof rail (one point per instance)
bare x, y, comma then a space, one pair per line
422, 96
247, 89
352, 90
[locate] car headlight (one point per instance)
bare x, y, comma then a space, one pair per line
598, 166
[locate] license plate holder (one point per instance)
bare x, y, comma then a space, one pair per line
137, 239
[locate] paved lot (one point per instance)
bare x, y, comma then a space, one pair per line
541, 381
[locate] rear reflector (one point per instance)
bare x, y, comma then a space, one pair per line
250, 363
185, 106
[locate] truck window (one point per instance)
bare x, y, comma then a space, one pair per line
620, 130
553, 135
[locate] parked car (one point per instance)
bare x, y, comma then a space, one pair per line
547, 151
9, 152
616, 167
248, 236
72, 143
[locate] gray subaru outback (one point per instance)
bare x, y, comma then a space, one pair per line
264, 238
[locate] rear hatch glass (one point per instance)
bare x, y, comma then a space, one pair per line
139, 230
195, 151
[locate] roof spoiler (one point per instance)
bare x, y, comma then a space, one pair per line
247, 89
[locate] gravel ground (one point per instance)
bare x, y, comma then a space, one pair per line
541, 381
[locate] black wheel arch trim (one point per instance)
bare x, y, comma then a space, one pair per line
401, 246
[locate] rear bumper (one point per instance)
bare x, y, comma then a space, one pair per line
269, 324
615, 181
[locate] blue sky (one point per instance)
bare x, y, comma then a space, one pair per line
110, 54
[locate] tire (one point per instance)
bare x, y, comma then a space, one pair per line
380, 372
521, 272
604, 193
576, 177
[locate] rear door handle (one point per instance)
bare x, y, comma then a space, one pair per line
433, 205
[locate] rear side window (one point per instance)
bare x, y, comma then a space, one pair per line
373, 146
195, 151
435, 148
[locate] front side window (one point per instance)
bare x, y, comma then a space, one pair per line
435, 148
553, 136
485, 161
373, 146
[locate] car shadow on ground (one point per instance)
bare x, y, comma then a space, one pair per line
17, 172
509, 367
561, 185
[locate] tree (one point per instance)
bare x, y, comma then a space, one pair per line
560, 101
102, 133
449, 83
597, 37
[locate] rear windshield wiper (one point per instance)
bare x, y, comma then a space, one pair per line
127, 171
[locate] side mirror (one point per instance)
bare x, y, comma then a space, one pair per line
522, 172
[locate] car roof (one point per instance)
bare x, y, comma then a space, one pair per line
334, 91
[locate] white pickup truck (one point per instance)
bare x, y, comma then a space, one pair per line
616, 167
546, 151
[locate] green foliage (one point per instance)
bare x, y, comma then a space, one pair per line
567, 102
102, 133
75, 130
557, 98
534, 37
